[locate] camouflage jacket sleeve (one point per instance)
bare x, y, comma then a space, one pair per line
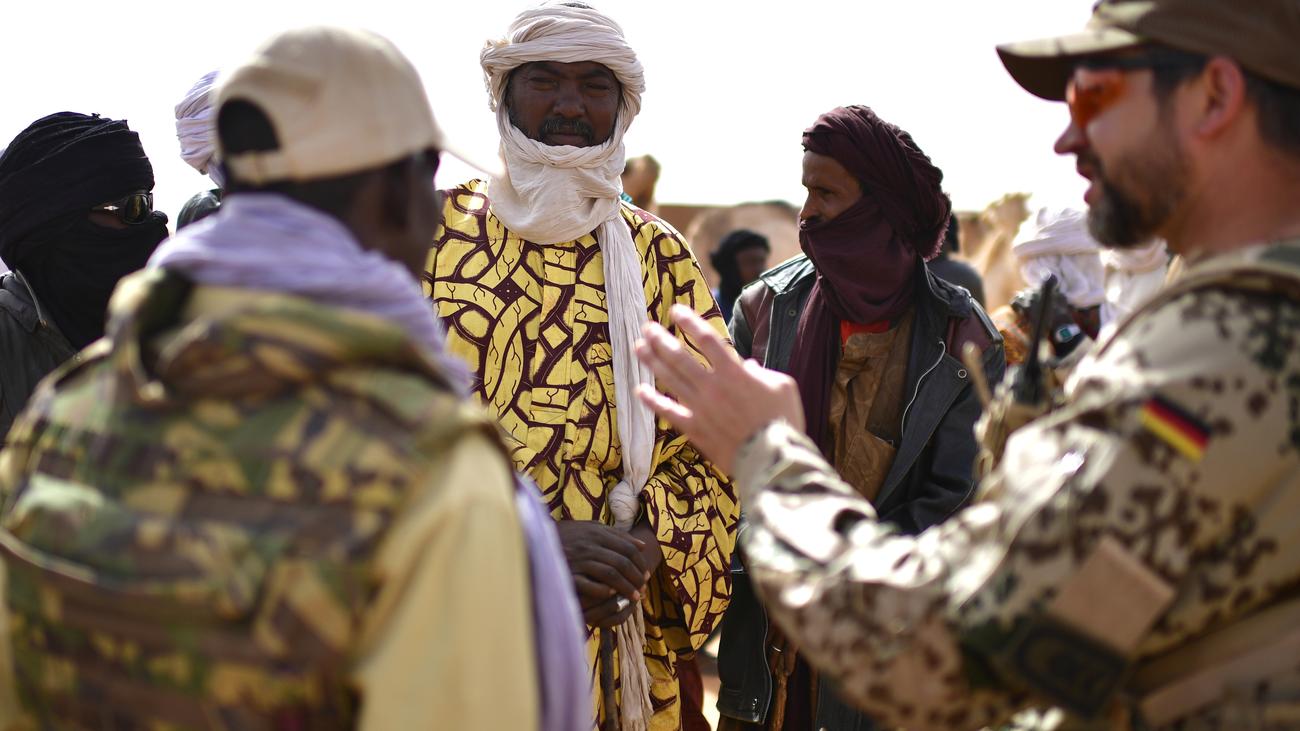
11, 464
449, 641
1172, 459
9, 710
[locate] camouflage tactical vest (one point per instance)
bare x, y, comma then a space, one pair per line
190, 514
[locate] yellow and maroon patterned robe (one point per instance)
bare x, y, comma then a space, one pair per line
531, 321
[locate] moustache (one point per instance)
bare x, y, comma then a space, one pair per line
561, 126
1087, 159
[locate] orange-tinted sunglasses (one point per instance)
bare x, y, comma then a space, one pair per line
1089, 93
1098, 83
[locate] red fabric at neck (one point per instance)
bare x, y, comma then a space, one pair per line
849, 329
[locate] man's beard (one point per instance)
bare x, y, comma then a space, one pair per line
1140, 195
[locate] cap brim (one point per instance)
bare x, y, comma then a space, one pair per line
491, 165
1044, 66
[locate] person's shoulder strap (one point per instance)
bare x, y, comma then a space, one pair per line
1268, 267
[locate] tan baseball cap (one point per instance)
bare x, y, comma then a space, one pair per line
1260, 35
341, 100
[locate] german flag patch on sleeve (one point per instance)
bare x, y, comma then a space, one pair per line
1174, 426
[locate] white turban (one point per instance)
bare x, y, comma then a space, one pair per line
1057, 242
1133, 275
197, 130
551, 194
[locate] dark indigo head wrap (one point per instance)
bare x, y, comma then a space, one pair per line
867, 256
51, 175
63, 163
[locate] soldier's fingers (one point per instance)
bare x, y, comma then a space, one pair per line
679, 416
721, 357
781, 398
675, 368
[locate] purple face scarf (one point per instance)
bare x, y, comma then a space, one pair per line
866, 257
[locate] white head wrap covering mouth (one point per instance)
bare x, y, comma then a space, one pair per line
551, 194
1057, 242
197, 130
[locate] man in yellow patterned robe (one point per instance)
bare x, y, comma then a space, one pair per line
525, 274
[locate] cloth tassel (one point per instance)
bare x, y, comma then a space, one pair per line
635, 709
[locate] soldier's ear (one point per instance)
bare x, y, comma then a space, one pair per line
1220, 97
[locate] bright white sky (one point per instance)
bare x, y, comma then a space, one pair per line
731, 84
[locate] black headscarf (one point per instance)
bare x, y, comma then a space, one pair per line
724, 263
51, 175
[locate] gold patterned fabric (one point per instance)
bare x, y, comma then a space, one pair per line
531, 321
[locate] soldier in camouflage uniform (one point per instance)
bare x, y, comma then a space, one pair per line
1132, 563
262, 501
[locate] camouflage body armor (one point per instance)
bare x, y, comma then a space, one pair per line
190, 513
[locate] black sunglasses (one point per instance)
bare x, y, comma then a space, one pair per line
132, 209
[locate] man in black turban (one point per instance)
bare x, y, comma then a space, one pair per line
76, 215
873, 339
740, 257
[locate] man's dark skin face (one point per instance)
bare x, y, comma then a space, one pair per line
106, 219
750, 263
397, 211
425, 204
832, 189
572, 104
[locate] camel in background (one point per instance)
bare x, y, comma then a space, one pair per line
986, 238
640, 175
705, 226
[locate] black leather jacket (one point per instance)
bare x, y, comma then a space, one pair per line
30, 347
931, 476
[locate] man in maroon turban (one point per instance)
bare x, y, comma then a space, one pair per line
873, 339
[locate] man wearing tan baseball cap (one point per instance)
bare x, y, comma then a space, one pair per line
292, 518
1132, 562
